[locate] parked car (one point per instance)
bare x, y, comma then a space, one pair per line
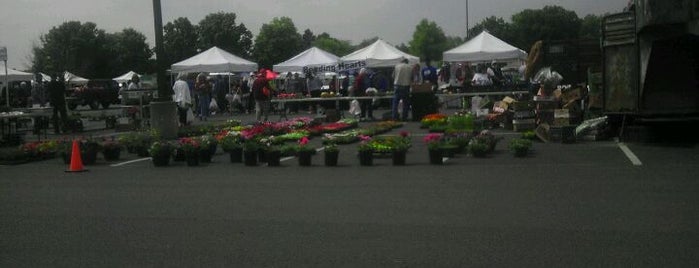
96, 92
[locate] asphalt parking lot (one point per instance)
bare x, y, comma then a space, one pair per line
583, 204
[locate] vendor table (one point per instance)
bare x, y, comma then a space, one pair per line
282, 112
448, 97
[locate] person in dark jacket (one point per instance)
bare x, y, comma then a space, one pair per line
262, 100
57, 99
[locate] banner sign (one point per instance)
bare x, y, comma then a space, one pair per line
341, 67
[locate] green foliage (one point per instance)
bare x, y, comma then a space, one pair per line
519, 144
590, 26
221, 30
160, 148
129, 51
179, 40
549, 23
277, 42
495, 26
428, 41
335, 46
75, 46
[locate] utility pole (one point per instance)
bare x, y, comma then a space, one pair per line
163, 111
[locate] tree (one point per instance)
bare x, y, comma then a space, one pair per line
277, 42
495, 26
366, 42
590, 27
308, 39
179, 40
549, 23
128, 50
220, 29
72, 46
454, 41
335, 46
428, 41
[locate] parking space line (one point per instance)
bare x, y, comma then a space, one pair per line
629, 154
129, 162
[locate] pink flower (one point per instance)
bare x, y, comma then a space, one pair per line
432, 137
364, 138
303, 141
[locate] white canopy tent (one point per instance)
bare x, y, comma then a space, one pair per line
312, 57
214, 60
125, 77
14, 75
73, 79
484, 48
45, 77
379, 54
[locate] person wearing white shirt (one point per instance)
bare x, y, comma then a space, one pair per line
182, 97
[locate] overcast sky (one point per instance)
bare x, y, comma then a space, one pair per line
22, 22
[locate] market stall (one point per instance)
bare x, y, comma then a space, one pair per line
214, 60
379, 54
312, 60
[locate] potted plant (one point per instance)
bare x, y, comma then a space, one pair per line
274, 155
250, 149
478, 148
141, 141
232, 144
304, 152
89, 148
366, 151
520, 146
191, 149
208, 146
434, 143
111, 149
160, 152
331, 154
400, 147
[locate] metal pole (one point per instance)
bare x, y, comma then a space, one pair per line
163, 86
466, 19
7, 87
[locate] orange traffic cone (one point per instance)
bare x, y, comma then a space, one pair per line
76, 161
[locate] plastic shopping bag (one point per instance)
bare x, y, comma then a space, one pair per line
190, 116
213, 105
355, 109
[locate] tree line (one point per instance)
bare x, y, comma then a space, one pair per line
91, 52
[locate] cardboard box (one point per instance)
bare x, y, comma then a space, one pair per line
421, 88
571, 95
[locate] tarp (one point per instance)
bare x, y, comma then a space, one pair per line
484, 48
312, 57
14, 75
379, 54
71, 78
214, 60
125, 77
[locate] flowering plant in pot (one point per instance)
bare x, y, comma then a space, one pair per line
304, 152
230, 140
400, 148
160, 152
520, 146
111, 148
331, 151
366, 151
478, 148
434, 143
